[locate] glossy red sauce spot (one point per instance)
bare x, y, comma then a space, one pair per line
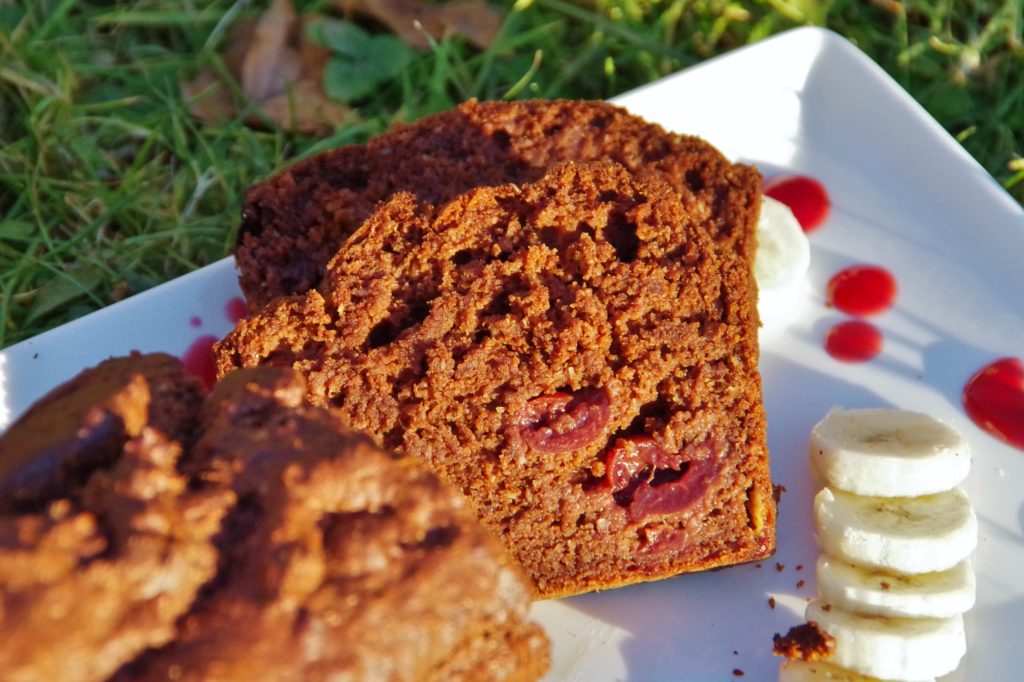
994, 400
853, 341
195, 322
235, 309
805, 196
562, 422
861, 290
198, 360
648, 480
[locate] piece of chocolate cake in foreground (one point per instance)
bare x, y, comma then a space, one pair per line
148, 535
294, 222
575, 354
340, 561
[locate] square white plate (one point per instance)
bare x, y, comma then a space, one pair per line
905, 196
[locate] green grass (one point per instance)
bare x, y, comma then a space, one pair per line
108, 186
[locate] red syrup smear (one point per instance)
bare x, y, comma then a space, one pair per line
195, 322
806, 197
861, 290
198, 360
853, 341
235, 309
994, 400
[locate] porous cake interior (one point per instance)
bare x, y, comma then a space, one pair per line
577, 355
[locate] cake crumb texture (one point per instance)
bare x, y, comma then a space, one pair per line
577, 355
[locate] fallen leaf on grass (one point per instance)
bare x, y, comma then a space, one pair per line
303, 107
416, 21
270, 64
209, 99
277, 68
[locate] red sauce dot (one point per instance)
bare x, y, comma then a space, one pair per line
805, 196
994, 400
853, 341
235, 309
861, 290
198, 360
195, 322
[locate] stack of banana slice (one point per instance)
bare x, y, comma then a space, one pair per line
897, 531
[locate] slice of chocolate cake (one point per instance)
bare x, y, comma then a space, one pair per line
576, 355
148, 535
294, 222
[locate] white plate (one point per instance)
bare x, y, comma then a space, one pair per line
905, 196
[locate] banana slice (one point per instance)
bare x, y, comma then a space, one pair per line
902, 534
819, 671
888, 453
892, 648
783, 257
875, 592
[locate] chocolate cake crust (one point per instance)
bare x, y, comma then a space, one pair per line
293, 223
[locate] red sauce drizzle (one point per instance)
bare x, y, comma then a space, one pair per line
861, 290
805, 196
198, 360
235, 309
994, 400
853, 341
195, 322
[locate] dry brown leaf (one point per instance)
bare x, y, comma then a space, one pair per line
269, 63
278, 69
304, 108
239, 40
475, 20
208, 98
414, 20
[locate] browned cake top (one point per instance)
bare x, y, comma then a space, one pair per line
575, 354
294, 222
339, 559
102, 543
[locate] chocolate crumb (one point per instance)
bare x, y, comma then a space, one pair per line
826, 607
885, 585
799, 584
759, 565
780, 567
799, 567
771, 602
777, 491
804, 642
737, 672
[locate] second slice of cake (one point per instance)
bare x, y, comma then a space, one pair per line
574, 354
